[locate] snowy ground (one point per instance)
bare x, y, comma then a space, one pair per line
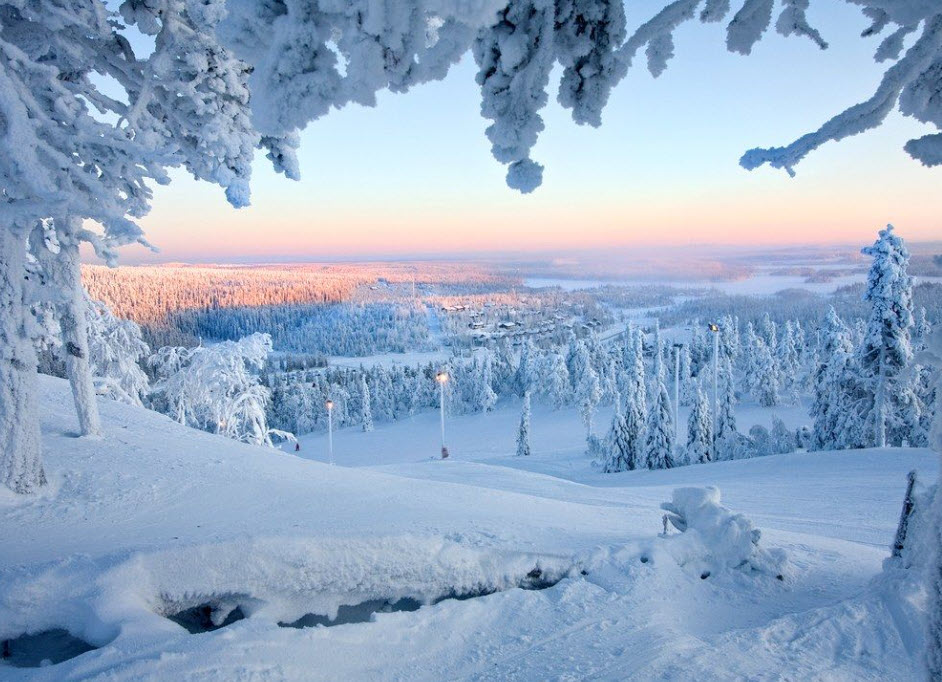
156, 518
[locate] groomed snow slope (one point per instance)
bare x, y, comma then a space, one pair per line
155, 518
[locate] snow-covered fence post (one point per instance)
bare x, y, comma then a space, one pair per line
21, 467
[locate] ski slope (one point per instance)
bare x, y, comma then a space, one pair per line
156, 518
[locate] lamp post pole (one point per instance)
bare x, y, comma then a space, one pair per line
716, 375
442, 378
330, 430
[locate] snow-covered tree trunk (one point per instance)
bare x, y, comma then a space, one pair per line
58, 255
75, 334
21, 467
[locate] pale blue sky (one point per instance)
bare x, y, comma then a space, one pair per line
414, 176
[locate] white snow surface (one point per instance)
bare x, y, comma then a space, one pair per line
156, 517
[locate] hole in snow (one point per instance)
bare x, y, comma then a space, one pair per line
364, 611
704, 575
44, 648
206, 618
644, 559
358, 613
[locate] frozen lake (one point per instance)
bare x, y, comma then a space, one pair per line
762, 283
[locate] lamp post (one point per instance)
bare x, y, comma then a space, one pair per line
677, 348
442, 379
330, 430
715, 329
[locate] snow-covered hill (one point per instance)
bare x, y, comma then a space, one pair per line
156, 519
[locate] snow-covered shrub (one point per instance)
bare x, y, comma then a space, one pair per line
761, 441
115, 351
714, 539
214, 388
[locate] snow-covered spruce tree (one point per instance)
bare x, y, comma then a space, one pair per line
620, 447
116, 350
831, 409
789, 369
585, 383
555, 379
526, 369
366, 410
727, 438
700, 432
688, 383
887, 349
659, 446
523, 432
765, 378
487, 398
783, 439
635, 385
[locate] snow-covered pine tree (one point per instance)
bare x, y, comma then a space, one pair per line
783, 439
658, 367
787, 361
619, 453
886, 350
555, 382
923, 329
831, 408
487, 398
765, 380
768, 331
523, 432
688, 383
635, 384
526, 370
659, 446
366, 409
585, 382
700, 432
727, 438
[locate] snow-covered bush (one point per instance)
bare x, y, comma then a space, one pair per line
214, 388
115, 350
714, 539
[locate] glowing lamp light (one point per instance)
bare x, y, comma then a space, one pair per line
714, 327
441, 377
330, 405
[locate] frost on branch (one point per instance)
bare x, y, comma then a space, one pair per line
714, 539
793, 21
514, 59
587, 34
914, 82
748, 25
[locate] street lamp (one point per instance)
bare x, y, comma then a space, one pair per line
442, 379
330, 429
715, 330
678, 347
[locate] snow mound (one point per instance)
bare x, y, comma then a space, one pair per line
714, 539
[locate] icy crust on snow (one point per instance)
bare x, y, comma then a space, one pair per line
713, 538
273, 579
